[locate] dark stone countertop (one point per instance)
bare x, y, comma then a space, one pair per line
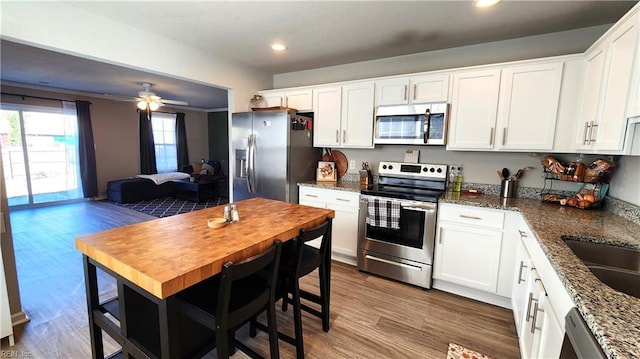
612, 316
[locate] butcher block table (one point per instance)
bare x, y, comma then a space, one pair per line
154, 260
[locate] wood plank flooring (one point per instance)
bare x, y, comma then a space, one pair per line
371, 317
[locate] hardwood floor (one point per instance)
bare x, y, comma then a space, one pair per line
371, 317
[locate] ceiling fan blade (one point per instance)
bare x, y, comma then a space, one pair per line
174, 102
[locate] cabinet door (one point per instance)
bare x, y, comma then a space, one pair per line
357, 115
468, 256
430, 88
392, 91
551, 332
528, 110
529, 334
610, 131
520, 284
273, 98
301, 100
589, 108
474, 106
326, 118
344, 237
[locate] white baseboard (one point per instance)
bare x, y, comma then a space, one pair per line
475, 294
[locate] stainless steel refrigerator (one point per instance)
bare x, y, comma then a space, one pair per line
272, 151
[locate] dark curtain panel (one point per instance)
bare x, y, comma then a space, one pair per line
86, 149
147, 146
181, 139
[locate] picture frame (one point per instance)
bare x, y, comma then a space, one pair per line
326, 172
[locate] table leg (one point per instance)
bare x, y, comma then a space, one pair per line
91, 284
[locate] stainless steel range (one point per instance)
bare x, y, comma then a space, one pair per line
396, 230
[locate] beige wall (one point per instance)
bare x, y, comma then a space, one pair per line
553, 44
62, 27
115, 132
478, 167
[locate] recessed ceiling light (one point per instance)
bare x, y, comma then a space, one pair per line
485, 3
278, 47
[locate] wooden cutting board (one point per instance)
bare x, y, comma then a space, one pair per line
342, 164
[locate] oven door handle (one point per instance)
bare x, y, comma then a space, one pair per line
420, 208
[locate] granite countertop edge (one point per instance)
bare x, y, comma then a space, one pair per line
612, 316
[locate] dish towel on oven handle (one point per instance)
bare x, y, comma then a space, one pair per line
383, 213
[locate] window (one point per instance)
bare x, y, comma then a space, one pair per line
40, 153
164, 137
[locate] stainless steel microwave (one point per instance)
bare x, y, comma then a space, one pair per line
419, 124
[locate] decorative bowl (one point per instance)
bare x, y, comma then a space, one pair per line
217, 222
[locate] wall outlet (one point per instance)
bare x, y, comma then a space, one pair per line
352, 165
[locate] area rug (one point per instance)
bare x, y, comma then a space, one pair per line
459, 352
165, 207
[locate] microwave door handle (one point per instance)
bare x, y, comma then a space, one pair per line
427, 125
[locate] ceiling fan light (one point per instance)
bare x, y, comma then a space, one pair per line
142, 105
154, 106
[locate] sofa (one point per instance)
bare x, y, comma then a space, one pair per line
138, 189
210, 172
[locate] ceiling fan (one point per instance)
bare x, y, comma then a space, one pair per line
148, 100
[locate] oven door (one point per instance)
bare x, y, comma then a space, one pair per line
414, 240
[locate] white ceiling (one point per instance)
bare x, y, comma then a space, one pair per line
317, 33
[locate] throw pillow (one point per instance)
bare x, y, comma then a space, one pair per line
207, 169
197, 167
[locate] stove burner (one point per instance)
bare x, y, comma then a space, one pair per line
410, 181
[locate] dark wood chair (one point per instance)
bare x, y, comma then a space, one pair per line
240, 293
300, 260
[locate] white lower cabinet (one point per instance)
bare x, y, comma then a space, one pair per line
344, 234
475, 251
539, 301
468, 256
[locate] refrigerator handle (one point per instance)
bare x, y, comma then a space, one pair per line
248, 164
251, 158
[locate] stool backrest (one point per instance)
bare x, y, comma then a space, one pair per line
254, 278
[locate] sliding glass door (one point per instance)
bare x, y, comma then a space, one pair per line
40, 154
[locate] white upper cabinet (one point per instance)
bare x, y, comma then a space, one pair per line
326, 116
357, 115
343, 115
301, 100
513, 108
415, 89
528, 107
474, 106
608, 89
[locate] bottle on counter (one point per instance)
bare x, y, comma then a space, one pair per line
452, 178
457, 179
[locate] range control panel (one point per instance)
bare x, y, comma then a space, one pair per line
422, 170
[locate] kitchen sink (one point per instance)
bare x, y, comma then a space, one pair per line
624, 281
605, 255
617, 267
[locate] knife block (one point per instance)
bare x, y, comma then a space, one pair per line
366, 179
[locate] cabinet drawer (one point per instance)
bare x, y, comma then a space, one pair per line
337, 197
471, 215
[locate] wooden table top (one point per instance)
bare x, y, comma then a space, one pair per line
166, 255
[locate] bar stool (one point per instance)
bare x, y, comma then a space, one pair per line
302, 260
226, 302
